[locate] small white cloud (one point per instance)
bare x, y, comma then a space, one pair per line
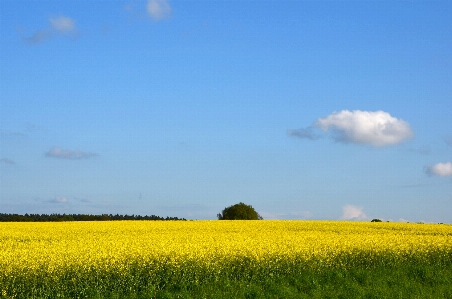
377, 128
158, 9
351, 212
440, 169
57, 152
63, 24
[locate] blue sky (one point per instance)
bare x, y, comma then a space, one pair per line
302, 109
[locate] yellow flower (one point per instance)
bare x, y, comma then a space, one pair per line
117, 245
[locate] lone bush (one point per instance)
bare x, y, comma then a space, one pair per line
239, 211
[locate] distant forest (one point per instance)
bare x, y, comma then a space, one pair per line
76, 217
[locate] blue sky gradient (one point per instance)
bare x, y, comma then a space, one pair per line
303, 109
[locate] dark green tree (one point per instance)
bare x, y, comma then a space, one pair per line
239, 211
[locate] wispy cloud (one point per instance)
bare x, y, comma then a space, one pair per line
424, 150
38, 37
304, 133
58, 200
350, 212
12, 135
448, 139
58, 26
377, 128
439, 169
415, 185
158, 9
63, 24
7, 161
57, 152
290, 215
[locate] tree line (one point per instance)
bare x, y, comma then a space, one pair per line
78, 217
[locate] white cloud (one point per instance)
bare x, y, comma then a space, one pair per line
63, 24
377, 128
158, 9
57, 152
440, 169
351, 212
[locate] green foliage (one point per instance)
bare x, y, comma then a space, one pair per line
376, 220
239, 211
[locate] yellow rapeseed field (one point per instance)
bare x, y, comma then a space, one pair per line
162, 252
106, 245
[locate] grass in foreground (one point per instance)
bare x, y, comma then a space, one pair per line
405, 281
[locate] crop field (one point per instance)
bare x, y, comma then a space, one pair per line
219, 259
